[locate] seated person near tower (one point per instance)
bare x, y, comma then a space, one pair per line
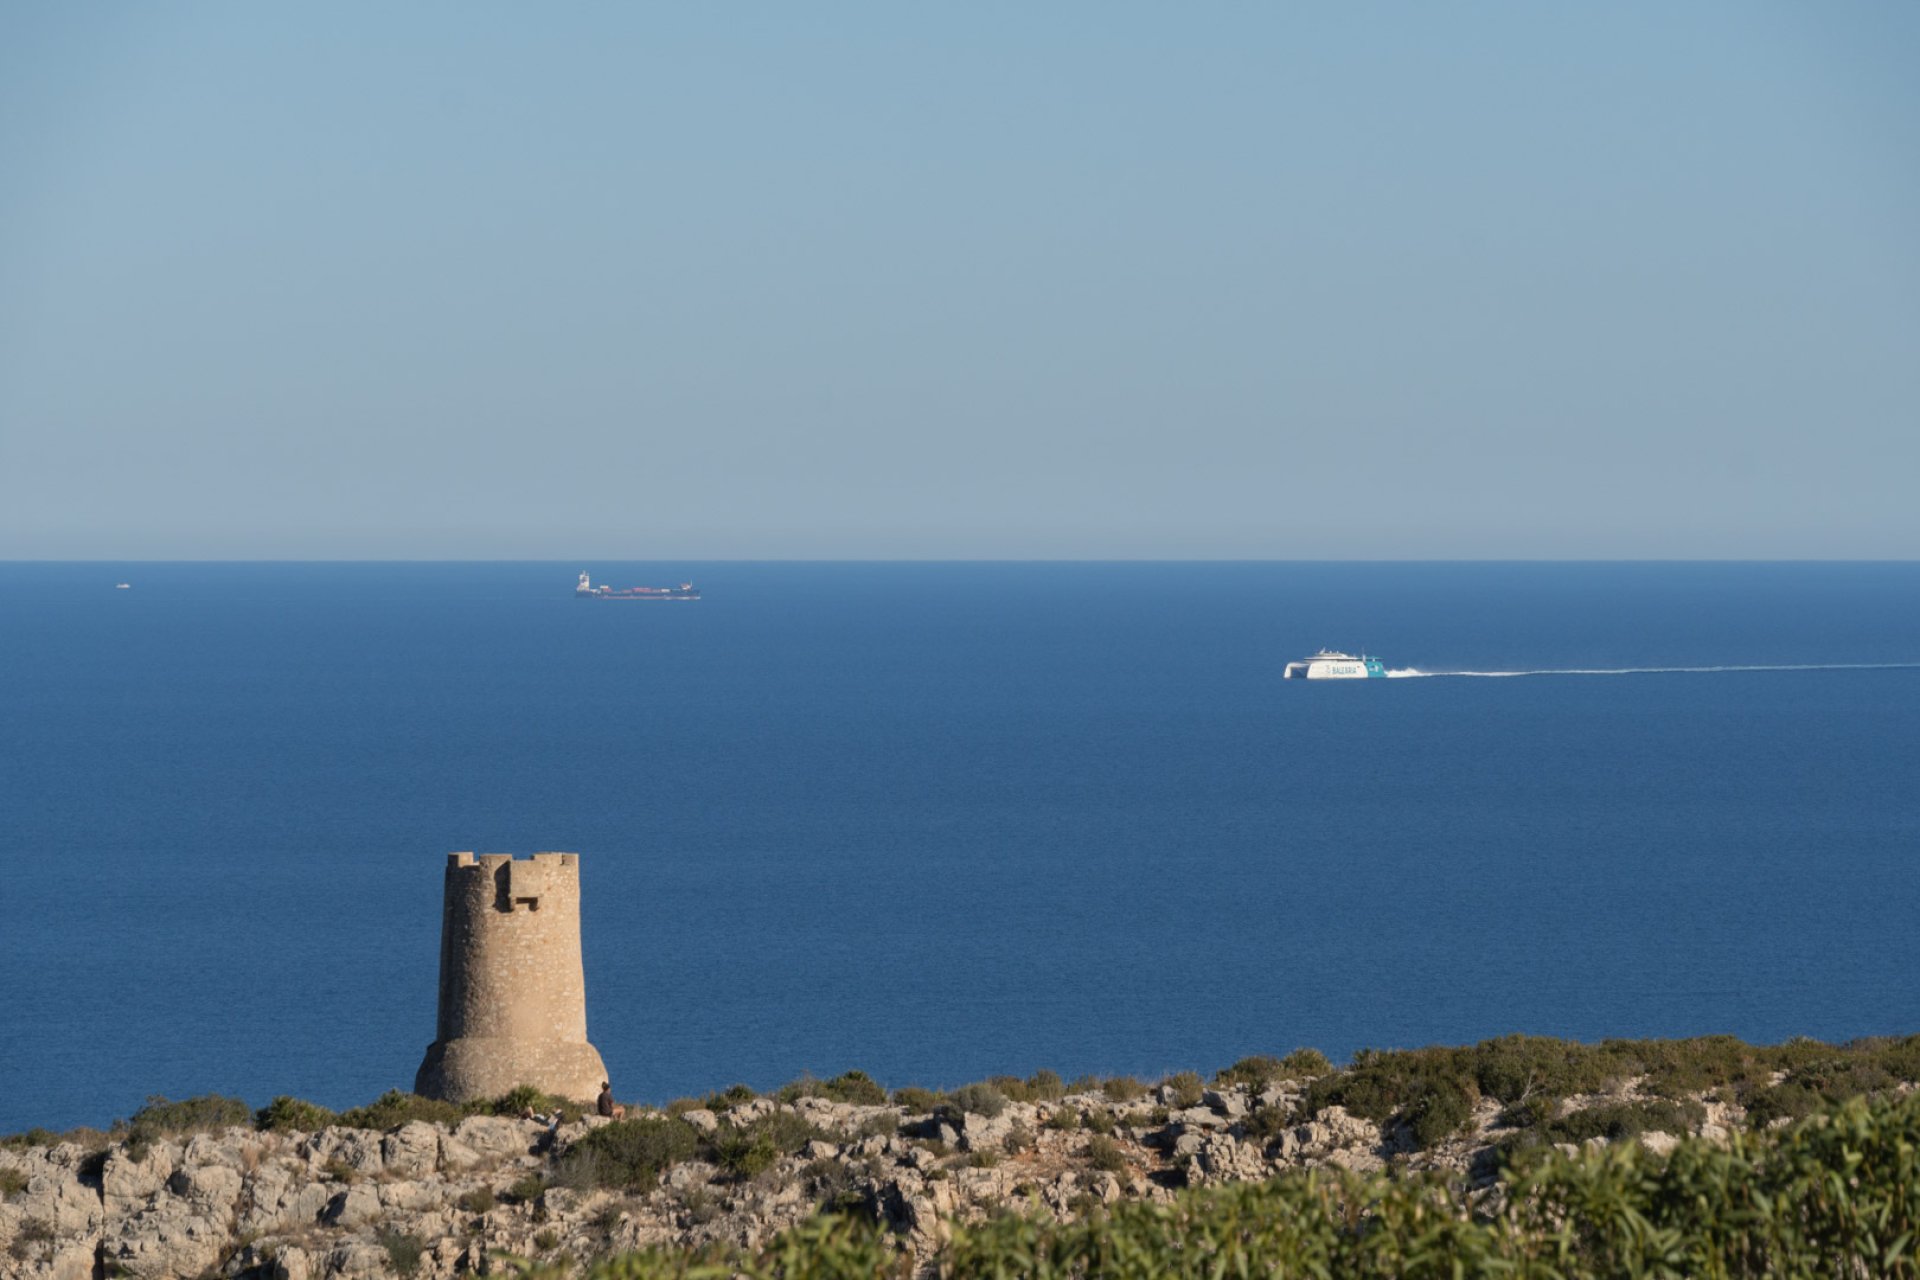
605, 1104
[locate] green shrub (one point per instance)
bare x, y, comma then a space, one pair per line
1183, 1089
732, 1096
1100, 1121
979, 1100
12, 1183
1302, 1063
403, 1251
1122, 1088
163, 1119
1012, 1088
546, 1240
1439, 1113
882, 1124
630, 1155
1266, 1124
982, 1159
479, 1200
527, 1189
292, 1115
1065, 1119
915, 1099
856, 1087
523, 1098
1256, 1072
1104, 1153
394, 1108
794, 1090
700, 1205
1045, 1086
1618, 1120
34, 1137
826, 1177
1425, 1090
747, 1150
1512, 1068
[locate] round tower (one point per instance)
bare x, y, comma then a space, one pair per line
513, 991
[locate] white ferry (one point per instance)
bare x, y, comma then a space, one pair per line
1329, 665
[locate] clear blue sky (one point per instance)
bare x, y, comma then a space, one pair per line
973, 280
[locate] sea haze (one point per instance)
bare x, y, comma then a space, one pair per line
939, 821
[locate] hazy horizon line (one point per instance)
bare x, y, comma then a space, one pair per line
57, 560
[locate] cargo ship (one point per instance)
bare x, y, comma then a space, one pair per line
587, 591
1330, 665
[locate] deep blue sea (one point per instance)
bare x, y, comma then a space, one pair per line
940, 821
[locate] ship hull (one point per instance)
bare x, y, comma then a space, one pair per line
1336, 669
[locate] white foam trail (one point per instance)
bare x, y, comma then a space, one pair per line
1406, 672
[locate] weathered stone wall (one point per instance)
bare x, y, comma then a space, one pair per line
513, 992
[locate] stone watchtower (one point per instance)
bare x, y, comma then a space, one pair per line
513, 992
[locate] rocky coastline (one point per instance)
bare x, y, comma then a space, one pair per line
437, 1198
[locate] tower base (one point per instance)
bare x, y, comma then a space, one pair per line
477, 1067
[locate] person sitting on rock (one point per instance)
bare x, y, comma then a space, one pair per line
605, 1104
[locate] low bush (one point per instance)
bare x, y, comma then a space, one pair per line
1122, 1089
882, 1124
479, 1200
1183, 1089
630, 1155
915, 1099
1012, 1088
979, 1100
732, 1096
1302, 1063
856, 1087
394, 1108
527, 1189
403, 1251
1616, 1120
1104, 1153
163, 1119
524, 1098
292, 1115
12, 1183
34, 1137
1045, 1086
1256, 1072
826, 1177
1267, 1124
750, 1149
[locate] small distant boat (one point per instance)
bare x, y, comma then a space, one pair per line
123, 586
1329, 664
587, 591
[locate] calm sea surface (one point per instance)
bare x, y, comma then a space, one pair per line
944, 821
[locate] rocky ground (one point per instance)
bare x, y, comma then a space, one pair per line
429, 1201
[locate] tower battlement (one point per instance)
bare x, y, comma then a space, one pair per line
513, 1005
